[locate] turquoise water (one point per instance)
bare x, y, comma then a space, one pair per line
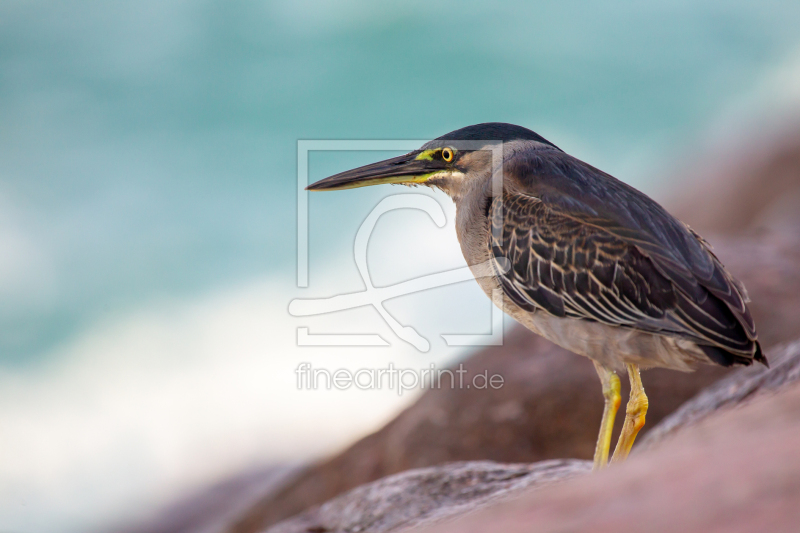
147, 149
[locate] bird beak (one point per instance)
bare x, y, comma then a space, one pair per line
408, 169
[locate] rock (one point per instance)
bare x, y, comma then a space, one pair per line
743, 188
739, 387
549, 407
428, 495
737, 471
423, 496
767, 263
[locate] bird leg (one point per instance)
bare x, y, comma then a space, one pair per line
634, 415
611, 386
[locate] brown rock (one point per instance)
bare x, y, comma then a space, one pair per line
767, 263
738, 471
428, 495
745, 187
549, 407
422, 496
738, 387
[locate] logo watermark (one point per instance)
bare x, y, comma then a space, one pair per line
399, 379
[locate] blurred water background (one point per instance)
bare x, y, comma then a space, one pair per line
148, 201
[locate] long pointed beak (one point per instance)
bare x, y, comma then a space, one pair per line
405, 169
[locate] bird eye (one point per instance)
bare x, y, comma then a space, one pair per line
447, 154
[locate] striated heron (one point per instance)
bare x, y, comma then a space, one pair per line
581, 259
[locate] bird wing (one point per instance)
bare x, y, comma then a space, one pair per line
584, 245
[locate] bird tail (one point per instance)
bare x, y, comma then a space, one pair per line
725, 358
759, 355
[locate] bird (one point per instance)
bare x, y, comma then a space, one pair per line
582, 259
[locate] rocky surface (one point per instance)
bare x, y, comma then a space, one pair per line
767, 261
739, 189
702, 447
549, 407
429, 495
735, 472
731, 391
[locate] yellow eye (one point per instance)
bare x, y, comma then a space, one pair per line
447, 154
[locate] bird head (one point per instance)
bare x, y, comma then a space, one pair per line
449, 162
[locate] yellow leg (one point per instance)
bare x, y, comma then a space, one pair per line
634, 416
610, 382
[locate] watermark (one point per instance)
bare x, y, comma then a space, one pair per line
376, 296
401, 380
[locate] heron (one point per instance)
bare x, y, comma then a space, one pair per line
582, 259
